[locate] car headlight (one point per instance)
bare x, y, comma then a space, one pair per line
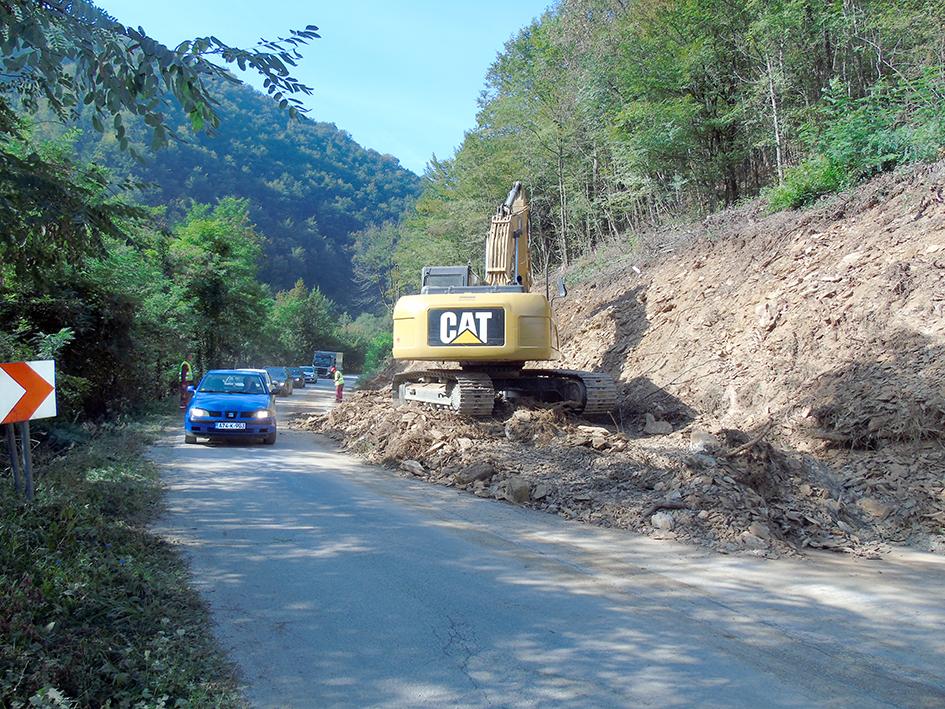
199, 413
264, 414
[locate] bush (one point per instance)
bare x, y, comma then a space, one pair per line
805, 183
95, 610
853, 139
377, 354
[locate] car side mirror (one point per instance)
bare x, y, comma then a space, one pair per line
191, 388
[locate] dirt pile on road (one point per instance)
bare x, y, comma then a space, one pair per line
782, 384
720, 489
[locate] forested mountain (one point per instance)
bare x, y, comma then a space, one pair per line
118, 291
621, 114
310, 186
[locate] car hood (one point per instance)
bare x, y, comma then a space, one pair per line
231, 402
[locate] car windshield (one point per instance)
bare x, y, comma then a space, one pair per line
295, 370
275, 371
323, 360
232, 384
307, 370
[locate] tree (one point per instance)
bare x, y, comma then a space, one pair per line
215, 252
375, 267
619, 115
68, 53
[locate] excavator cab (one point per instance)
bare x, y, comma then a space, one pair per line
440, 279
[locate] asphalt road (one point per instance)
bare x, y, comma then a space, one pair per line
335, 583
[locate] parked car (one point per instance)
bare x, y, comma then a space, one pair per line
265, 375
231, 403
310, 376
298, 376
281, 381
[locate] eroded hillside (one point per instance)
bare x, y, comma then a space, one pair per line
782, 384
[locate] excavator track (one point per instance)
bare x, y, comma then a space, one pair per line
472, 392
466, 393
587, 393
600, 390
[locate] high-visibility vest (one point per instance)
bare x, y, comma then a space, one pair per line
339, 377
190, 371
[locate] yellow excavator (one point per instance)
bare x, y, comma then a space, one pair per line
491, 330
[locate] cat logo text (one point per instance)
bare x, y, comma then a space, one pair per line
456, 327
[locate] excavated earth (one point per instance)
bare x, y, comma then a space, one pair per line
781, 376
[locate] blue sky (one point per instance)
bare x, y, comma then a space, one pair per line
401, 76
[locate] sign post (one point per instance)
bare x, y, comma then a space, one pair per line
27, 392
14, 457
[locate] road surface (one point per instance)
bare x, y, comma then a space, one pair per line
334, 583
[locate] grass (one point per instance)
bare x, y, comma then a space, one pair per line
607, 257
95, 610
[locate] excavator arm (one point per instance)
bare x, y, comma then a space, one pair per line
507, 260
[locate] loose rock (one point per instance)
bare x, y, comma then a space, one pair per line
663, 521
703, 442
656, 428
482, 470
413, 467
514, 489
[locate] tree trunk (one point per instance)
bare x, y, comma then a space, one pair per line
562, 206
775, 121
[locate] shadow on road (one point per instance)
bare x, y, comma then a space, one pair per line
335, 583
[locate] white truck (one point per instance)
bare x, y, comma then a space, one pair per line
323, 361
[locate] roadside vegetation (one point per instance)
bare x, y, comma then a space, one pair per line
96, 610
622, 115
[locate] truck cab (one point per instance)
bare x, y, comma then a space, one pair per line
323, 361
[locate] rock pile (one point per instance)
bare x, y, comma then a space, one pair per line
721, 489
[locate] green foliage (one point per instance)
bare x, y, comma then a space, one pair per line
119, 315
855, 138
50, 206
804, 183
375, 269
63, 58
378, 354
214, 254
310, 186
300, 322
96, 611
74, 54
619, 115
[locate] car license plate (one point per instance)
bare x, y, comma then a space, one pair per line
231, 425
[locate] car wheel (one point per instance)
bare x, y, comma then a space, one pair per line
270, 439
189, 439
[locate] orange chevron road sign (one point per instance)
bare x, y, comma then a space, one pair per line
27, 391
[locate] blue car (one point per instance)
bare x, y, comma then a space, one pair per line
230, 403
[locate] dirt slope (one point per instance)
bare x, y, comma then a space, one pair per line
782, 384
